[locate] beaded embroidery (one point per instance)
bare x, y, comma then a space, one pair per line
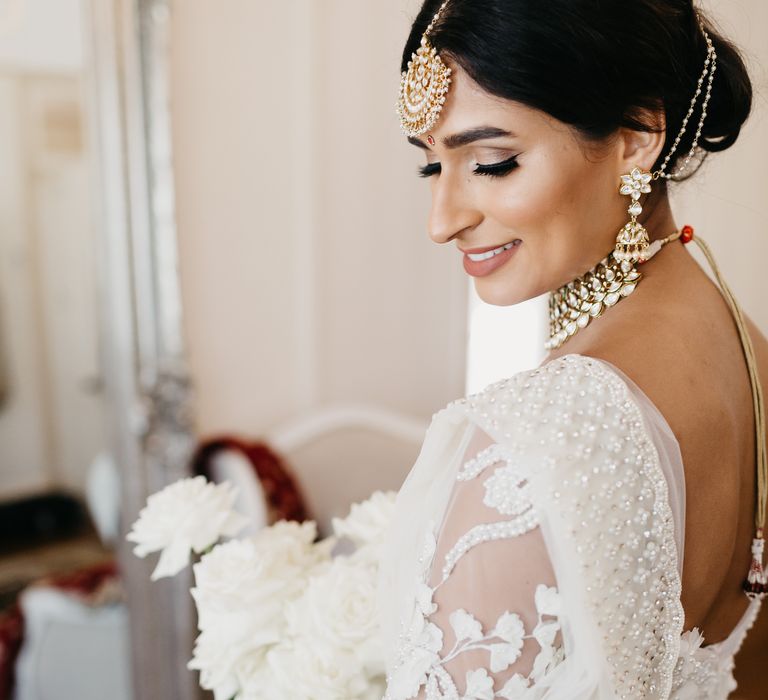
610, 478
576, 421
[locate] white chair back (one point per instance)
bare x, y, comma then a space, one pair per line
341, 454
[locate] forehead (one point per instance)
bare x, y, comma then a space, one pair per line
468, 105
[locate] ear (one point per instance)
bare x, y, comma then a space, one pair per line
641, 148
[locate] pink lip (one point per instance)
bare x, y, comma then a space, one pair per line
474, 251
486, 267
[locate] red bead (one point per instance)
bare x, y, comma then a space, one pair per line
686, 235
431, 140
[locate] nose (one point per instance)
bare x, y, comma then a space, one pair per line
451, 212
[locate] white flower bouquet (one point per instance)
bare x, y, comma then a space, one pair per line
280, 614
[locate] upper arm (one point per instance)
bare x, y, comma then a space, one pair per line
494, 597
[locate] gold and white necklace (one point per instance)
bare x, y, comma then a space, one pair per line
575, 304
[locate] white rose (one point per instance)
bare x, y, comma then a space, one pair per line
337, 614
241, 590
376, 689
367, 522
219, 666
256, 679
301, 673
189, 515
288, 544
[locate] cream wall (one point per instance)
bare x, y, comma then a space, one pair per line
307, 274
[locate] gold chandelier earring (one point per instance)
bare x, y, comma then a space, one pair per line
633, 243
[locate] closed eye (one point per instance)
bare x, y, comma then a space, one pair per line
429, 170
499, 169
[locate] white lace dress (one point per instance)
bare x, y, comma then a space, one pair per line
537, 550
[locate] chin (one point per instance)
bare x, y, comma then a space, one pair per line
500, 294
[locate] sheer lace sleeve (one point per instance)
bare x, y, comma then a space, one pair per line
493, 588
536, 552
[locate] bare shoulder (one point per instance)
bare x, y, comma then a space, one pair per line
671, 358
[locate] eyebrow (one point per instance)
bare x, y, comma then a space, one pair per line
463, 138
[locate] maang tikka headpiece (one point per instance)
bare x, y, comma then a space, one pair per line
423, 86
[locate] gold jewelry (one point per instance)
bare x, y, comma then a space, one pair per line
632, 242
576, 303
423, 86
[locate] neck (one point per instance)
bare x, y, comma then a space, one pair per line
576, 304
658, 220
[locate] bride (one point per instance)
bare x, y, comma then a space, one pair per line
592, 527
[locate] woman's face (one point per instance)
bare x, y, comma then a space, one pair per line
501, 174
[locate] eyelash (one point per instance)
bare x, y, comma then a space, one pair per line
499, 169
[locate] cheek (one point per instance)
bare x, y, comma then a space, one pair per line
548, 199
536, 196
553, 205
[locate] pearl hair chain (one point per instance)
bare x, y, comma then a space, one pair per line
710, 66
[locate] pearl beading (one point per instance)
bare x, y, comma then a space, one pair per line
710, 60
610, 487
437, 679
493, 454
485, 533
507, 491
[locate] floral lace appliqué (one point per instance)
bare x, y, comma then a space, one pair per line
419, 662
423, 666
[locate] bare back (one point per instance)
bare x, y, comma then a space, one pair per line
676, 338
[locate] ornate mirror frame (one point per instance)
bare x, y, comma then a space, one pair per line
144, 359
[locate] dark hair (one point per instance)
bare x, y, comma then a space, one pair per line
596, 65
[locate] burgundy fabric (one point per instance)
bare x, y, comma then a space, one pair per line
284, 499
84, 583
11, 634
